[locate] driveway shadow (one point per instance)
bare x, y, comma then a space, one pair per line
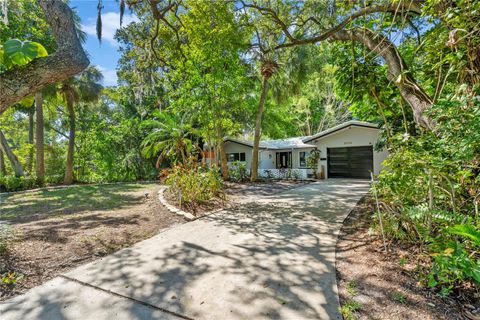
273, 258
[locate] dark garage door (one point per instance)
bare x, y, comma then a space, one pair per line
352, 162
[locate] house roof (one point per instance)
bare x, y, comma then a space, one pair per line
339, 127
302, 142
288, 143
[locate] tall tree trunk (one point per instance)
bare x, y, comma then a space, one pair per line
3, 169
39, 139
223, 155
398, 71
71, 139
30, 139
17, 166
258, 129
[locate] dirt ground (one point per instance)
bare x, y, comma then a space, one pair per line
52, 238
236, 193
377, 283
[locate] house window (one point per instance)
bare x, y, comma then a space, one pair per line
303, 159
236, 156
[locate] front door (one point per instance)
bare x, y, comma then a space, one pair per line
284, 160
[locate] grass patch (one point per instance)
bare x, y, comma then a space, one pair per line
398, 297
349, 309
6, 236
70, 200
352, 288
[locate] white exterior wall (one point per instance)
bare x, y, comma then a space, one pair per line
352, 136
296, 157
267, 159
232, 147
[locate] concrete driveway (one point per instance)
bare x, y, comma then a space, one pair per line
272, 258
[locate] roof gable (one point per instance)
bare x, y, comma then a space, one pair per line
302, 142
339, 127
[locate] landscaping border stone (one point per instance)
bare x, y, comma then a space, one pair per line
187, 215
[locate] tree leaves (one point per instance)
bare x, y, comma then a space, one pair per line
19, 53
467, 231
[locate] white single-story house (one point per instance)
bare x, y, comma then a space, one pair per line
346, 151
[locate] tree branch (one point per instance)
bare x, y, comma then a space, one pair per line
402, 6
398, 71
68, 60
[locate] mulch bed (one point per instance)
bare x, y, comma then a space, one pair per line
384, 287
49, 247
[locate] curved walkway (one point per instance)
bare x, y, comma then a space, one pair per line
271, 258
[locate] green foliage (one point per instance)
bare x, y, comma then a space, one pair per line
312, 159
351, 288
19, 53
398, 296
110, 146
169, 138
10, 279
192, 185
452, 265
467, 231
12, 183
349, 309
238, 172
431, 188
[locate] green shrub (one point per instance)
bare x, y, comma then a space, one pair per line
54, 179
429, 192
192, 185
238, 172
452, 266
12, 183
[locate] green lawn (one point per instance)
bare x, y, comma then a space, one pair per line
71, 200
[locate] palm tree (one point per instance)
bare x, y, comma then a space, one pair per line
170, 138
267, 68
83, 88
